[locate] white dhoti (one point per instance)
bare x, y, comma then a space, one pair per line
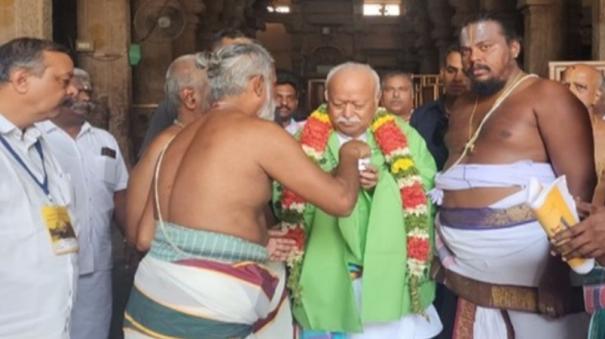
91, 315
515, 255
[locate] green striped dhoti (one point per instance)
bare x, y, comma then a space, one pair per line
199, 284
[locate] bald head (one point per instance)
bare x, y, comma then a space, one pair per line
186, 81
352, 93
585, 82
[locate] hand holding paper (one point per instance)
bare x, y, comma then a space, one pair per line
555, 209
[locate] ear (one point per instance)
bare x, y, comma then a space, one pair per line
597, 96
515, 48
188, 98
326, 97
258, 85
19, 79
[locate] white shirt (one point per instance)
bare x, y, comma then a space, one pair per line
293, 126
36, 285
96, 177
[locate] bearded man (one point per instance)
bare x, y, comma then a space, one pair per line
364, 275
506, 130
207, 273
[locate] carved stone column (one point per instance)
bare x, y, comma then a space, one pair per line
107, 25
426, 53
598, 29
462, 10
439, 12
25, 18
543, 33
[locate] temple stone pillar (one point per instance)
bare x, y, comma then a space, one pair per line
543, 40
25, 18
107, 25
462, 10
425, 52
439, 12
598, 29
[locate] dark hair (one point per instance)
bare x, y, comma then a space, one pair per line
288, 78
455, 48
507, 26
230, 33
384, 77
25, 53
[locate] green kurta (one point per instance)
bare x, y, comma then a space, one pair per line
372, 236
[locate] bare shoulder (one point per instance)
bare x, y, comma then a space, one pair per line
157, 145
551, 96
547, 87
257, 130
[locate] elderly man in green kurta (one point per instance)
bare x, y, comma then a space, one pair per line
365, 275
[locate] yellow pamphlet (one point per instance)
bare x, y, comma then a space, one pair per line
555, 209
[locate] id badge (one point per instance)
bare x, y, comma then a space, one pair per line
62, 236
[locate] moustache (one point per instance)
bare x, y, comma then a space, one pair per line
478, 67
79, 106
347, 121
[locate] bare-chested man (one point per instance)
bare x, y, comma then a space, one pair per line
206, 273
509, 128
187, 89
585, 82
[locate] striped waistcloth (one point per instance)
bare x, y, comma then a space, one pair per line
594, 300
199, 284
594, 289
174, 242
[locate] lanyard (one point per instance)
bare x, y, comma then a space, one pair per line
44, 184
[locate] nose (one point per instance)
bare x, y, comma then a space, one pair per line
71, 90
459, 75
84, 95
348, 111
475, 54
280, 101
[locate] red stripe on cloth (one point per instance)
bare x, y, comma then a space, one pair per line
249, 272
464, 320
257, 326
600, 290
588, 299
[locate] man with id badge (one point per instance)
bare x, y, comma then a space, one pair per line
97, 171
38, 245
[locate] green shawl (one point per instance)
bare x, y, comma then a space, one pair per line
372, 236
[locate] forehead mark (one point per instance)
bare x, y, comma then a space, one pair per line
476, 33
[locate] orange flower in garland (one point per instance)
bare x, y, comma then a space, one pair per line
393, 144
314, 140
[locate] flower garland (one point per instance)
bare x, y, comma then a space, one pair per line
314, 140
393, 144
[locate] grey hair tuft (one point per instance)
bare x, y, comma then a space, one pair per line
231, 67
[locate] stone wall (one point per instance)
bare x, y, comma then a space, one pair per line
25, 18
